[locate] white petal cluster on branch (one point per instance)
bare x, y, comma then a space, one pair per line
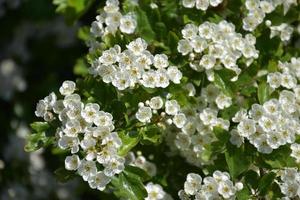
215, 46
217, 186
85, 131
111, 19
135, 66
257, 10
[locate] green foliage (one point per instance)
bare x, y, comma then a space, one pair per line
129, 185
38, 139
72, 9
238, 160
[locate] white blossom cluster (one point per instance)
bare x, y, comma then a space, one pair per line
257, 10
284, 31
201, 4
156, 192
135, 65
288, 76
214, 46
141, 162
85, 130
290, 183
268, 126
218, 186
111, 20
193, 125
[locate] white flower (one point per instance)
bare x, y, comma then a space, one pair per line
156, 103
246, 127
240, 116
271, 107
172, 107
72, 162
90, 112
144, 114
274, 79
174, 74
202, 4
215, 3
99, 181
114, 166
192, 184
67, 88
182, 141
137, 46
288, 81
190, 31
160, 61
179, 120
104, 119
72, 128
41, 108
208, 116
108, 57
207, 61
66, 142
128, 24
155, 192
267, 123
256, 112
223, 101
296, 152
236, 138
162, 79
87, 169
188, 3
226, 189
184, 47
199, 44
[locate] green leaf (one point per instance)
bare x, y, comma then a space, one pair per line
40, 126
144, 28
36, 141
81, 67
129, 140
238, 160
138, 171
151, 135
279, 158
63, 175
84, 33
265, 183
244, 194
72, 9
173, 41
222, 84
129, 186
222, 135
263, 92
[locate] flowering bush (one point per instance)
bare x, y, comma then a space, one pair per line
189, 99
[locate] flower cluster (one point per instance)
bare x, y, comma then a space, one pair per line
290, 183
284, 31
141, 162
111, 19
257, 10
211, 187
288, 76
194, 124
135, 65
156, 192
213, 46
201, 4
85, 131
270, 125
